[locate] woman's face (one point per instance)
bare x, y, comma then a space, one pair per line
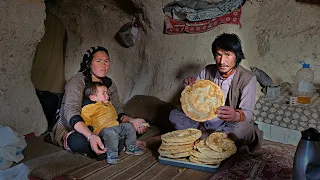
100, 64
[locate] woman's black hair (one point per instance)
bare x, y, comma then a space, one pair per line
229, 42
86, 61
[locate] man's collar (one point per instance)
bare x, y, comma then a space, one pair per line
225, 76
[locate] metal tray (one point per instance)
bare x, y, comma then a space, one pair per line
190, 165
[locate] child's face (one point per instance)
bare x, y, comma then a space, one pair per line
101, 95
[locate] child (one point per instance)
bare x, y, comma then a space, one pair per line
99, 113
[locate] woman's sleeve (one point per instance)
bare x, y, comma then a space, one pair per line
73, 99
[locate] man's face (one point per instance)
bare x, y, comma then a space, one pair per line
226, 60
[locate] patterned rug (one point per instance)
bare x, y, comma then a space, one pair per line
273, 161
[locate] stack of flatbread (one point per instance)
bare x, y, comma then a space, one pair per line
184, 145
179, 144
213, 149
201, 100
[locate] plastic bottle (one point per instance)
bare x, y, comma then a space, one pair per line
303, 84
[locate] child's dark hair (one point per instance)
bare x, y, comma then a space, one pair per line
91, 88
86, 61
229, 42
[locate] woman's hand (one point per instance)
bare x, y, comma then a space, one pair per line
227, 113
94, 140
137, 123
189, 81
96, 144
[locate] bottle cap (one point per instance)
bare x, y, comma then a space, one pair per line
306, 65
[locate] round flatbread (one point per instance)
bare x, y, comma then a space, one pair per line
216, 142
197, 161
173, 151
180, 136
175, 155
183, 159
201, 100
204, 157
172, 147
203, 148
180, 143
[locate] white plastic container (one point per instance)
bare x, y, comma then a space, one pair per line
303, 84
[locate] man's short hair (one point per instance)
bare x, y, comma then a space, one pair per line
228, 42
91, 88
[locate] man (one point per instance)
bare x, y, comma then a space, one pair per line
239, 89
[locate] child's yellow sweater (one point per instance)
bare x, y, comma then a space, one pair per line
99, 116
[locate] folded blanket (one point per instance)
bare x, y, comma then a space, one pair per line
197, 10
173, 26
11, 146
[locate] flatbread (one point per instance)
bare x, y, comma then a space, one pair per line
204, 157
174, 151
180, 136
201, 100
177, 143
197, 161
175, 155
216, 142
171, 147
203, 148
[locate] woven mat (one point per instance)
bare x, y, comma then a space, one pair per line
272, 161
56, 164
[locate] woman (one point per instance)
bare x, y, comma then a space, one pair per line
70, 130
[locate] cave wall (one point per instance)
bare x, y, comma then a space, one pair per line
275, 37
21, 28
93, 23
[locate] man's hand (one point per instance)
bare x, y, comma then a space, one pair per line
96, 144
227, 113
138, 125
189, 81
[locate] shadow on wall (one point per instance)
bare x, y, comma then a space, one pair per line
188, 70
127, 6
185, 71
152, 109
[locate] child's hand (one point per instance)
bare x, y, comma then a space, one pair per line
138, 125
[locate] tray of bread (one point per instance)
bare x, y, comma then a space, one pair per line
183, 148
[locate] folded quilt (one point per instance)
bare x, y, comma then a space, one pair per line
196, 10
173, 26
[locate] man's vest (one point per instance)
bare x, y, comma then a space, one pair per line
240, 80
